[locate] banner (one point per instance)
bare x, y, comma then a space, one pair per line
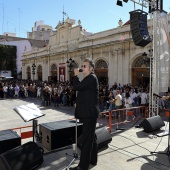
62, 69
163, 52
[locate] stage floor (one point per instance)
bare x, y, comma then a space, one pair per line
129, 149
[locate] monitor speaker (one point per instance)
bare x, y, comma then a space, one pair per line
25, 157
59, 134
152, 123
9, 140
103, 136
139, 28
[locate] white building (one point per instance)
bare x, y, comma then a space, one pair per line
40, 31
22, 45
116, 57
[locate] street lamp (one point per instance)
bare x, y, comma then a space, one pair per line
33, 70
70, 65
144, 55
15, 72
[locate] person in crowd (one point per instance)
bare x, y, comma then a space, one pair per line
105, 99
143, 97
55, 97
47, 96
71, 96
16, 90
118, 100
39, 91
133, 97
22, 91
87, 111
60, 90
5, 90
111, 101
26, 90
11, 91
128, 104
64, 97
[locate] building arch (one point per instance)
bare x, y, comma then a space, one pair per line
141, 71
39, 72
28, 73
53, 72
101, 71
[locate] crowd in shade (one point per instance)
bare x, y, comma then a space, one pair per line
114, 97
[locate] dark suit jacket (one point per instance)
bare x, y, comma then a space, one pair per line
87, 101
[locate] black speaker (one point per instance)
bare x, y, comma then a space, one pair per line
152, 123
103, 136
25, 157
139, 28
59, 134
9, 140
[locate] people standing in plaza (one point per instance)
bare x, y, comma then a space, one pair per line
128, 105
87, 111
118, 100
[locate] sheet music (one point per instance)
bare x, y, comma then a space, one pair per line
29, 112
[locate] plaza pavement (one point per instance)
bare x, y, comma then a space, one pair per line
129, 149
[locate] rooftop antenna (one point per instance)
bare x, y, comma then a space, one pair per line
3, 19
19, 20
64, 14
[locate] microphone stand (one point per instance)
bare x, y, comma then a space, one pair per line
74, 155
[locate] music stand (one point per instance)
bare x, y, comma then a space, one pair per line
74, 155
30, 112
168, 151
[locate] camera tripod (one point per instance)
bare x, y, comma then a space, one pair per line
74, 155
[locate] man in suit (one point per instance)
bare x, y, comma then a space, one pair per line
87, 111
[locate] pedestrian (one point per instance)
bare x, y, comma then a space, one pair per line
87, 111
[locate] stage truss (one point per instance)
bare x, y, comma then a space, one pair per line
155, 8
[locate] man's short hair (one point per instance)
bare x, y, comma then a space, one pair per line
90, 61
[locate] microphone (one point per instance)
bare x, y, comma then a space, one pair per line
80, 70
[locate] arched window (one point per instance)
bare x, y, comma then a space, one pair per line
101, 64
140, 62
39, 72
101, 71
28, 73
53, 73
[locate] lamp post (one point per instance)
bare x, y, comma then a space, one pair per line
70, 65
33, 70
15, 72
144, 55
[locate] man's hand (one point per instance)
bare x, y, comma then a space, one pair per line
76, 71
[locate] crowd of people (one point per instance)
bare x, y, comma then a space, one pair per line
110, 98
49, 92
90, 97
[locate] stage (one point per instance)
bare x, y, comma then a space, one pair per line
129, 149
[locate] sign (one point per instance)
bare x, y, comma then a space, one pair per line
62, 70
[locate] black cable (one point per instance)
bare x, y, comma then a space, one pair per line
134, 142
136, 154
161, 138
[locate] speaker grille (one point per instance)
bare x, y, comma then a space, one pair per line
152, 123
139, 29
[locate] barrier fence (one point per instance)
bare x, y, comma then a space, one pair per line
110, 118
123, 115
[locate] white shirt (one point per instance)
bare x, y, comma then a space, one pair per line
143, 98
132, 96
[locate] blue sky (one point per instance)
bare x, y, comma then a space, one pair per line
19, 16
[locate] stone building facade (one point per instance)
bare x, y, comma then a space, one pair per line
116, 57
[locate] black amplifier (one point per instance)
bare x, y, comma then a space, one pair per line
59, 134
9, 140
